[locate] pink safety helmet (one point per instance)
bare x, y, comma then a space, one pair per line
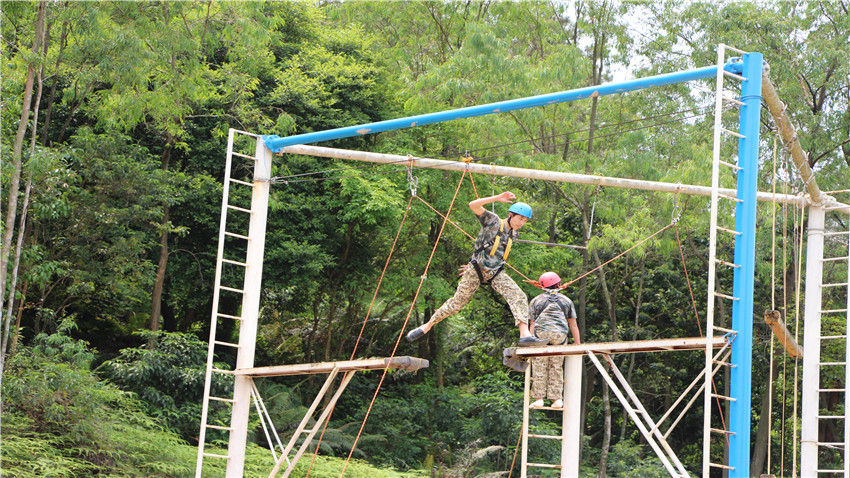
548, 280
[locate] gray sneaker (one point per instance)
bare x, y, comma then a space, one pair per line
532, 342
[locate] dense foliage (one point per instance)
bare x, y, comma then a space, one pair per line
114, 125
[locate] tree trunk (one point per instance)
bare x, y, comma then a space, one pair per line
762, 434
156, 295
638, 303
17, 150
49, 113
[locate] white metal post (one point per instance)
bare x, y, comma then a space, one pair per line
571, 424
524, 430
811, 343
250, 310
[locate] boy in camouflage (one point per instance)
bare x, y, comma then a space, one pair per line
553, 317
492, 247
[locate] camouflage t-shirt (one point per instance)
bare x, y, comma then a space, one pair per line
547, 312
484, 242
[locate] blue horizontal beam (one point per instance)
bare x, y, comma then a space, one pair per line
276, 143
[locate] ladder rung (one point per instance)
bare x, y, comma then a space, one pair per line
832, 390
831, 259
238, 181
231, 289
834, 417
839, 233
727, 364
542, 465
219, 342
824, 470
839, 284
242, 155
833, 208
237, 208
221, 370
728, 331
724, 432
219, 399
213, 455
733, 75
730, 264
730, 165
836, 444
832, 311
235, 262
240, 236
731, 198
833, 363
833, 337
724, 397
730, 231
733, 100
219, 427
548, 437
732, 133
718, 294
226, 316
718, 465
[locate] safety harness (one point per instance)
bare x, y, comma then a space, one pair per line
494, 247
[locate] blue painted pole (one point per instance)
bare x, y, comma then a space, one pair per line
740, 415
276, 143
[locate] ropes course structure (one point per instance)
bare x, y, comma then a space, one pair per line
727, 415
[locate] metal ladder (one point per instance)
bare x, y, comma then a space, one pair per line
833, 356
714, 400
526, 407
239, 258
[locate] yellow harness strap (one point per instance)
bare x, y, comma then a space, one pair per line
498, 239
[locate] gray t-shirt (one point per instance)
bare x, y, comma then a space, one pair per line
490, 225
550, 310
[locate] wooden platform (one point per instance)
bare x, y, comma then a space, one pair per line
410, 364
657, 345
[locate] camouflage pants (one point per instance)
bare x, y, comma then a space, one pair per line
547, 373
469, 283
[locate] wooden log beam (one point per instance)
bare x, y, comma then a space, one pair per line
656, 345
773, 318
410, 364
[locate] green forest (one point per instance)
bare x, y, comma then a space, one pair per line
115, 119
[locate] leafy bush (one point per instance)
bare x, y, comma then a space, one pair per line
169, 380
60, 421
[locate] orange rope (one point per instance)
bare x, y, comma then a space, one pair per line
513, 461
383, 272
404, 326
701, 334
363, 327
668, 226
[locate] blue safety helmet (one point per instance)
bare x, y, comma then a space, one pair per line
521, 208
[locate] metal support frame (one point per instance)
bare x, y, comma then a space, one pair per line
745, 223
740, 413
250, 310
571, 421
640, 417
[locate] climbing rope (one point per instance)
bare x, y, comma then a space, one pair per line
772, 304
404, 326
366, 319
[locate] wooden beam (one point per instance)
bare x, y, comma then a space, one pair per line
773, 318
657, 345
410, 364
